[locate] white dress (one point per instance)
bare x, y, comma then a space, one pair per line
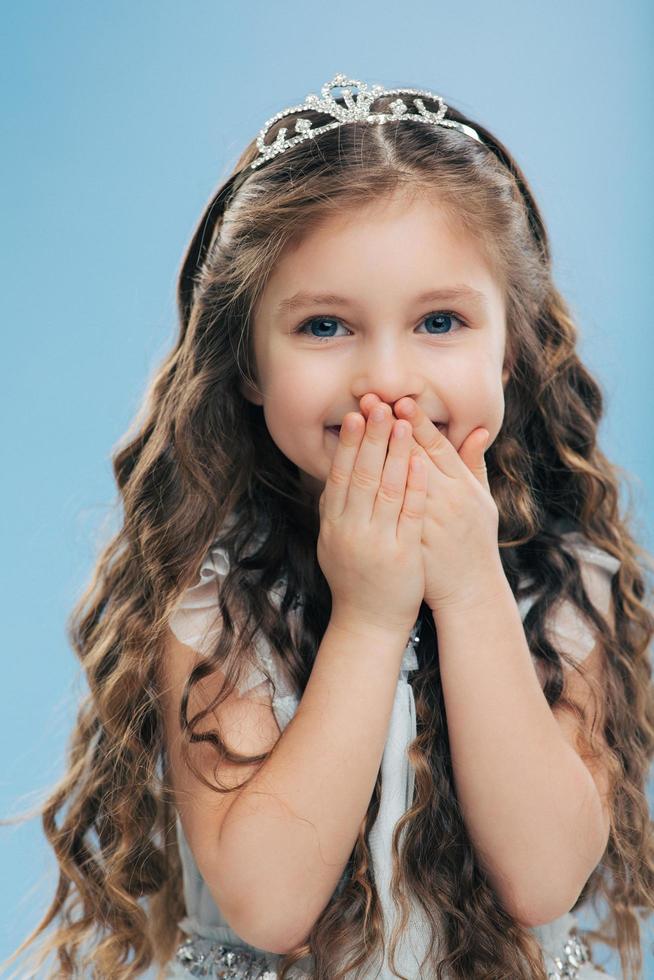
194, 622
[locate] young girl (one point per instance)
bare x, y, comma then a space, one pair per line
370, 693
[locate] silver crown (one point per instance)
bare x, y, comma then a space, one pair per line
357, 109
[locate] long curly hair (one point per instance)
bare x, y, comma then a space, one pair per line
199, 456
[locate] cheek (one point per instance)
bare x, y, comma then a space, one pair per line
475, 397
285, 385
473, 388
299, 386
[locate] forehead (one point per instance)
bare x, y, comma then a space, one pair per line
396, 247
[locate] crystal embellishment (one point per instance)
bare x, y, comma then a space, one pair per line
356, 109
566, 967
205, 958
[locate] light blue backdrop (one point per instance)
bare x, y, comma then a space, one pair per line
119, 119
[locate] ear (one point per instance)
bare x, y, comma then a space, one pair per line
250, 393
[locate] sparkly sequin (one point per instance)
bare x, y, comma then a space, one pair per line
575, 952
205, 958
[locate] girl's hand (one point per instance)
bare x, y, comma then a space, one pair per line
460, 527
371, 516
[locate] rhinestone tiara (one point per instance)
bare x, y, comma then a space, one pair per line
356, 109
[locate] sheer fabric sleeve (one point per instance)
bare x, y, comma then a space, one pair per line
196, 620
565, 627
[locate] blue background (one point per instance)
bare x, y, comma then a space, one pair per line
120, 118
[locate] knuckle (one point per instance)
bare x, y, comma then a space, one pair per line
390, 494
363, 480
338, 477
379, 435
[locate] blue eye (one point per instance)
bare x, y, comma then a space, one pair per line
441, 319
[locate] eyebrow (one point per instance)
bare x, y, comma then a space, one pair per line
303, 300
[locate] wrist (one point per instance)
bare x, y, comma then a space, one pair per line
486, 590
353, 624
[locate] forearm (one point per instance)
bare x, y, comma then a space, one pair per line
289, 834
528, 801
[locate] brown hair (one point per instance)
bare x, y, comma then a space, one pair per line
201, 452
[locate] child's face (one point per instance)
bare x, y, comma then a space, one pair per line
385, 339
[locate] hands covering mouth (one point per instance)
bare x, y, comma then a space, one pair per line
336, 428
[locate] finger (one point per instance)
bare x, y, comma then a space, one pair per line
368, 402
472, 452
409, 527
390, 496
439, 449
369, 465
333, 498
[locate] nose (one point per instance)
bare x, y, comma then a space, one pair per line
388, 372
